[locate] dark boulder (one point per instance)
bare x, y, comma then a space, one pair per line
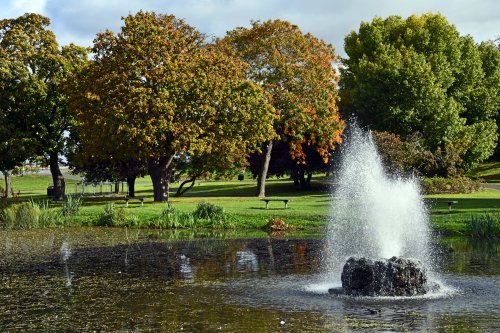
393, 277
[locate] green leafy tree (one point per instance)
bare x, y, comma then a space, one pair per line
296, 70
418, 75
157, 89
33, 71
490, 98
14, 150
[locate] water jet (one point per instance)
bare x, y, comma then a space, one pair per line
378, 237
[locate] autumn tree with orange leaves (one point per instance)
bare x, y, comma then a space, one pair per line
296, 70
157, 89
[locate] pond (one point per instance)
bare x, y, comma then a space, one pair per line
108, 280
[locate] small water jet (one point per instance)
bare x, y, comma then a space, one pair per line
65, 253
375, 216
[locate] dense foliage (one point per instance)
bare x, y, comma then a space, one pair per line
454, 185
296, 70
419, 76
157, 89
33, 108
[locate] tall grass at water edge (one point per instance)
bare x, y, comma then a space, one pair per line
31, 214
112, 216
71, 205
38, 214
484, 225
205, 215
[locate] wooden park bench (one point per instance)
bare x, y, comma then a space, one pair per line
449, 202
267, 202
127, 199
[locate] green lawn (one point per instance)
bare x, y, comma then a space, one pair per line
489, 171
307, 209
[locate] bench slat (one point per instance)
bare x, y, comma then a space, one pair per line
268, 200
133, 198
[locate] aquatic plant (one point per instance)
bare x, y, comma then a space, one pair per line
206, 210
213, 216
71, 205
484, 225
171, 218
112, 216
21, 216
31, 214
49, 217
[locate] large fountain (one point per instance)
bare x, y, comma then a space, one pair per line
378, 238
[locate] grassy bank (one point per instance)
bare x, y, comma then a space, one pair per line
307, 210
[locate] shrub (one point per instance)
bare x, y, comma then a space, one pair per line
112, 216
440, 185
484, 226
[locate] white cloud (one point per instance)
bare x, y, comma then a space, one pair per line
30, 6
79, 20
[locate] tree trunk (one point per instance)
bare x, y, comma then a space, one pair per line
180, 191
57, 177
117, 187
158, 169
264, 167
131, 186
308, 180
302, 179
295, 175
7, 174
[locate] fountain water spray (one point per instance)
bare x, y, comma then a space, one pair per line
373, 215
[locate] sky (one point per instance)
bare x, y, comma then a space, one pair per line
77, 21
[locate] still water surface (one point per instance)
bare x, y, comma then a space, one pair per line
114, 280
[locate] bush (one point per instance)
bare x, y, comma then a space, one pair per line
484, 226
440, 185
112, 216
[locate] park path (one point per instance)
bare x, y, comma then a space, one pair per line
492, 186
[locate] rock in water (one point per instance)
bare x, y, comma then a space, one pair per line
396, 276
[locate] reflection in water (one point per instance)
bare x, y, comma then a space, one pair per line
246, 261
187, 271
229, 285
470, 255
65, 255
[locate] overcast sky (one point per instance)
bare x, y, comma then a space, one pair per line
78, 21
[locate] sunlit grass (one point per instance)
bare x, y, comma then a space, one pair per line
489, 171
306, 209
